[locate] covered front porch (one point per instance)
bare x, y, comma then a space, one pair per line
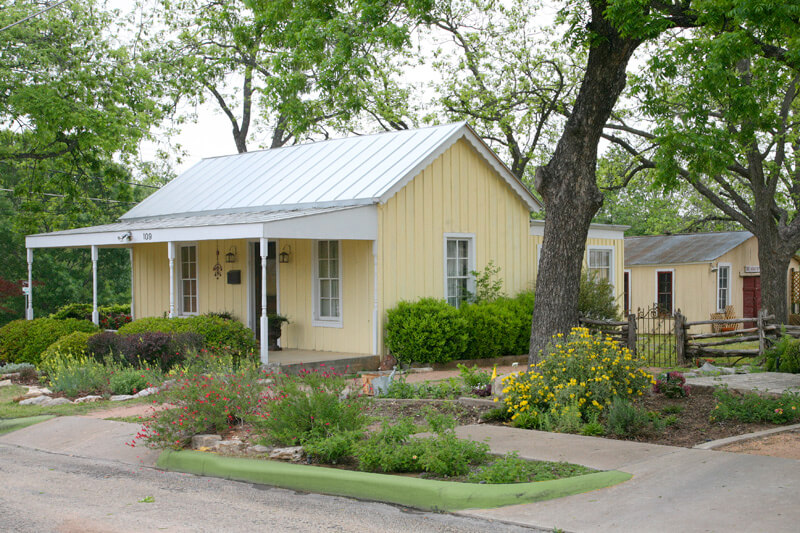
316, 267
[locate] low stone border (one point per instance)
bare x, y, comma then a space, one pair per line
13, 424
714, 444
425, 494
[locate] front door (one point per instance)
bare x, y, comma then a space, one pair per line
751, 298
272, 283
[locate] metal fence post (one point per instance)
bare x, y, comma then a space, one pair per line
632, 334
680, 338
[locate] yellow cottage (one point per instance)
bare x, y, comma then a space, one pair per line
701, 274
332, 234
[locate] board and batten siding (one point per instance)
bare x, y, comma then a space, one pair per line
457, 193
695, 284
151, 279
296, 299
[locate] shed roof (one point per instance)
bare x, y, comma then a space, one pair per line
675, 249
340, 172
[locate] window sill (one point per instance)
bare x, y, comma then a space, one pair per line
318, 323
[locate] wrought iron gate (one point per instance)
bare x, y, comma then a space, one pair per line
655, 329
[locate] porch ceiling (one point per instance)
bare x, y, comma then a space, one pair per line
343, 222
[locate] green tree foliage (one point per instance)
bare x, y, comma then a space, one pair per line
729, 130
504, 72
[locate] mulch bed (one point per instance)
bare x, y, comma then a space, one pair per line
693, 426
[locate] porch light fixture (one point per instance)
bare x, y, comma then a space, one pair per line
230, 257
284, 256
125, 237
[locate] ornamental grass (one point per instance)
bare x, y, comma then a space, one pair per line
578, 372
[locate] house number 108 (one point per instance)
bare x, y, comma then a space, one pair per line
147, 236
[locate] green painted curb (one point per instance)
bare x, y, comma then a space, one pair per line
429, 495
13, 424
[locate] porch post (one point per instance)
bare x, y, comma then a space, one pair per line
375, 297
264, 322
29, 309
133, 297
171, 256
95, 313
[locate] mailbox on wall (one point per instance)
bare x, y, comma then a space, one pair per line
234, 277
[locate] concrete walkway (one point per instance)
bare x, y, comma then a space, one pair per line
673, 489
771, 382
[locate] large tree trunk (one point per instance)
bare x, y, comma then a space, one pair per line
568, 185
774, 257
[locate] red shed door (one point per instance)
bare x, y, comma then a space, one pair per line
751, 298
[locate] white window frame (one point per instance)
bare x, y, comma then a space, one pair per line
179, 278
611, 266
729, 290
674, 284
470, 259
316, 319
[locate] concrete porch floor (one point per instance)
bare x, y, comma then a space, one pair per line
292, 360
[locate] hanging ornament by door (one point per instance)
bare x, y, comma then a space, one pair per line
217, 267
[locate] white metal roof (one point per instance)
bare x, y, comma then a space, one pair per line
340, 172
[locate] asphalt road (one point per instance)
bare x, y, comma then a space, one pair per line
44, 492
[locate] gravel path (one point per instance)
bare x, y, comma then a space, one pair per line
45, 492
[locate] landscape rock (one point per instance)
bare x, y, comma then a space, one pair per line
121, 397
146, 392
230, 446
259, 448
36, 391
348, 392
89, 399
293, 453
12, 375
36, 400
711, 370
5, 383
205, 441
265, 381
57, 401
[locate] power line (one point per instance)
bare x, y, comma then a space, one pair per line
48, 8
82, 197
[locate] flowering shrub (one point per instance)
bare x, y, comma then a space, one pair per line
114, 320
203, 404
579, 370
752, 407
308, 407
672, 385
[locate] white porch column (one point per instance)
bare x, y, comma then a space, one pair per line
133, 297
171, 256
264, 322
95, 313
375, 297
29, 309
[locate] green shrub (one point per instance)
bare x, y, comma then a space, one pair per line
24, 341
627, 420
390, 449
784, 356
488, 284
581, 369
218, 333
127, 381
75, 343
491, 328
307, 408
79, 311
511, 469
206, 403
427, 331
752, 407
77, 375
596, 298
334, 448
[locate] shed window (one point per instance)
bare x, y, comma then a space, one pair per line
664, 292
723, 287
188, 280
328, 282
600, 263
